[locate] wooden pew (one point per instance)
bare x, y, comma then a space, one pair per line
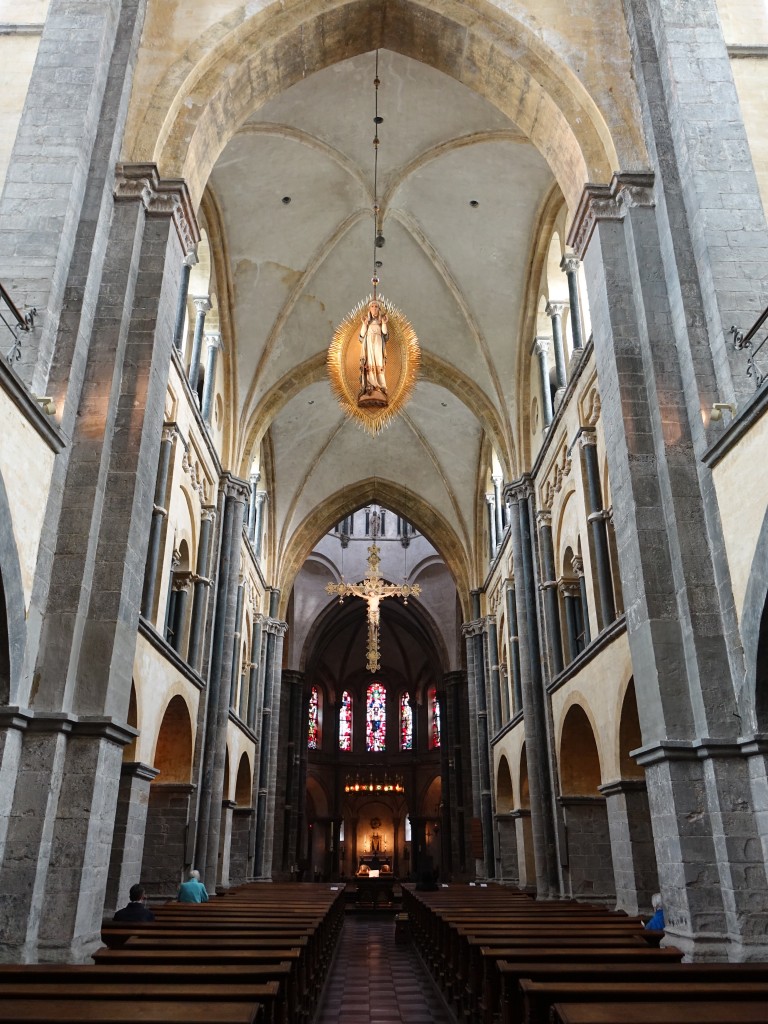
101, 1011
538, 997
694, 1012
657, 975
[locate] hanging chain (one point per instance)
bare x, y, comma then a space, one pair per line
377, 120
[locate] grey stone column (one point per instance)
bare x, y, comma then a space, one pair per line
542, 824
222, 646
493, 652
589, 869
265, 810
293, 744
213, 344
181, 310
181, 584
634, 858
514, 647
253, 672
202, 584
541, 348
159, 512
570, 594
686, 654
236, 636
506, 827
202, 306
253, 479
554, 311
578, 568
596, 517
258, 528
474, 634
499, 507
492, 540
570, 265
86, 595
128, 837
225, 841
549, 586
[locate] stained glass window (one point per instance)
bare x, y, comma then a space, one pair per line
376, 718
345, 722
406, 722
434, 720
313, 740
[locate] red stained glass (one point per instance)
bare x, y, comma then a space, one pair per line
376, 718
434, 720
313, 740
345, 722
406, 722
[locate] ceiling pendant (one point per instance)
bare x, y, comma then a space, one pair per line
374, 358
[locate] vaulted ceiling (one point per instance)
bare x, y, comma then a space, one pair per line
461, 189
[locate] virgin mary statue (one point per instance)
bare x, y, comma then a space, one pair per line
373, 357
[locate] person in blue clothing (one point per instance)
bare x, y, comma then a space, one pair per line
657, 921
193, 890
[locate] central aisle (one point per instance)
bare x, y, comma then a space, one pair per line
374, 980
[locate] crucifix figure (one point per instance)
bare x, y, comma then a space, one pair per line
372, 589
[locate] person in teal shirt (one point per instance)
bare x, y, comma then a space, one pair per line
193, 890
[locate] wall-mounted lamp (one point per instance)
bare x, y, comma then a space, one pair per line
719, 408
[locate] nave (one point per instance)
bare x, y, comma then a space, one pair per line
375, 979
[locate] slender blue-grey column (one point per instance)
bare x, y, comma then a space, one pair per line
215, 743
475, 636
514, 647
542, 351
570, 265
571, 596
269, 725
554, 311
181, 310
258, 529
499, 507
578, 568
549, 586
202, 586
253, 676
213, 344
532, 689
493, 651
596, 518
492, 542
236, 645
253, 479
181, 584
202, 305
159, 512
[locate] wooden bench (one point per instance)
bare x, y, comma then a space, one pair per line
694, 1012
103, 1011
538, 997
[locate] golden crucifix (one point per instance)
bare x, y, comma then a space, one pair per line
372, 589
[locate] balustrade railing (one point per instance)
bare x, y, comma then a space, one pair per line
752, 343
16, 322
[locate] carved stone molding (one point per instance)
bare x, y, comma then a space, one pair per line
608, 202
162, 197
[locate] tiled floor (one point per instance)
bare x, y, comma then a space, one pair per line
373, 980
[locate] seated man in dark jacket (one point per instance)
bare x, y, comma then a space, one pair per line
136, 910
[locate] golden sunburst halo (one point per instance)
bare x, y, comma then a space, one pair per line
403, 357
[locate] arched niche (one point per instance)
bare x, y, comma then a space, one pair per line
579, 759
243, 786
173, 751
505, 797
630, 736
525, 792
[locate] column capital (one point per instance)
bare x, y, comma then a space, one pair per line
202, 303
213, 339
498, 478
587, 437
554, 309
490, 498
475, 628
544, 518
208, 513
542, 346
170, 432
183, 581
161, 197
519, 490
609, 202
234, 487
568, 588
254, 478
190, 260
578, 565
261, 497
570, 264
